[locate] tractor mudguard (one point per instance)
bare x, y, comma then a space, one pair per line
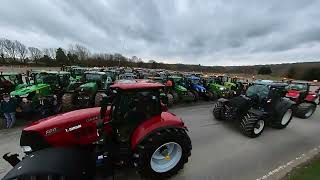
257, 112
283, 105
223, 100
166, 120
69, 162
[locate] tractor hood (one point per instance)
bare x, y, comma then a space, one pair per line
181, 88
63, 119
77, 127
89, 85
199, 88
218, 86
293, 94
29, 89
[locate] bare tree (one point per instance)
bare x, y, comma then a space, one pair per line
21, 50
10, 48
79, 50
35, 54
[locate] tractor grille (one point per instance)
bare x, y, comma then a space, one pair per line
33, 139
240, 104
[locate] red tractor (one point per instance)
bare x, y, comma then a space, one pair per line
305, 94
132, 128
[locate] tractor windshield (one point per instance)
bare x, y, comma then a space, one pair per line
12, 78
261, 91
46, 78
299, 87
93, 77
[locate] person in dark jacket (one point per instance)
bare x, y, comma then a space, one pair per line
8, 108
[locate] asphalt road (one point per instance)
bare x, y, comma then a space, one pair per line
220, 151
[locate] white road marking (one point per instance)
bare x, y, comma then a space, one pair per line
293, 162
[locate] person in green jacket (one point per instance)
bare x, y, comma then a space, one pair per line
8, 108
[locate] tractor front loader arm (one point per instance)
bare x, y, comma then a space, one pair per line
66, 162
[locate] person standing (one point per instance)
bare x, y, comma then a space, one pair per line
8, 108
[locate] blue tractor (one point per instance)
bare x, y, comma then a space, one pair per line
194, 84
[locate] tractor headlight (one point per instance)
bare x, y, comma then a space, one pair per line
26, 149
222, 88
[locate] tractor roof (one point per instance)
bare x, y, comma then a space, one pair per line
95, 72
49, 72
271, 83
136, 84
9, 73
301, 82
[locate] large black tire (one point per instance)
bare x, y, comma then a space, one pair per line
283, 119
251, 125
67, 102
98, 98
170, 100
304, 110
219, 111
145, 150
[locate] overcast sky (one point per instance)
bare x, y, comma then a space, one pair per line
207, 32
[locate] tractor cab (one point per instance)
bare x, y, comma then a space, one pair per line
78, 72
102, 79
131, 105
57, 80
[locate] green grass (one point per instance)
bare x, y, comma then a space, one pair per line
308, 171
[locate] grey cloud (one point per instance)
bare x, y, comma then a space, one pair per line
202, 31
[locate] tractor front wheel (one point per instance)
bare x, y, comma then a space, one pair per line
283, 120
251, 125
67, 104
163, 153
305, 110
219, 111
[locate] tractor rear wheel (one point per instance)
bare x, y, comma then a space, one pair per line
163, 153
283, 120
67, 104
219, 111
98, 98
251, 125
305, 110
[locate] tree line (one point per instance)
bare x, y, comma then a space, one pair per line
13, 52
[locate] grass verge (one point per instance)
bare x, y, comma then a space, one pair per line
307, 171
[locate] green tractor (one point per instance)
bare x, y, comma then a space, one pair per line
213, 84
179, 92
77, 73
88, 93
32, 93
57, 80
41, 85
